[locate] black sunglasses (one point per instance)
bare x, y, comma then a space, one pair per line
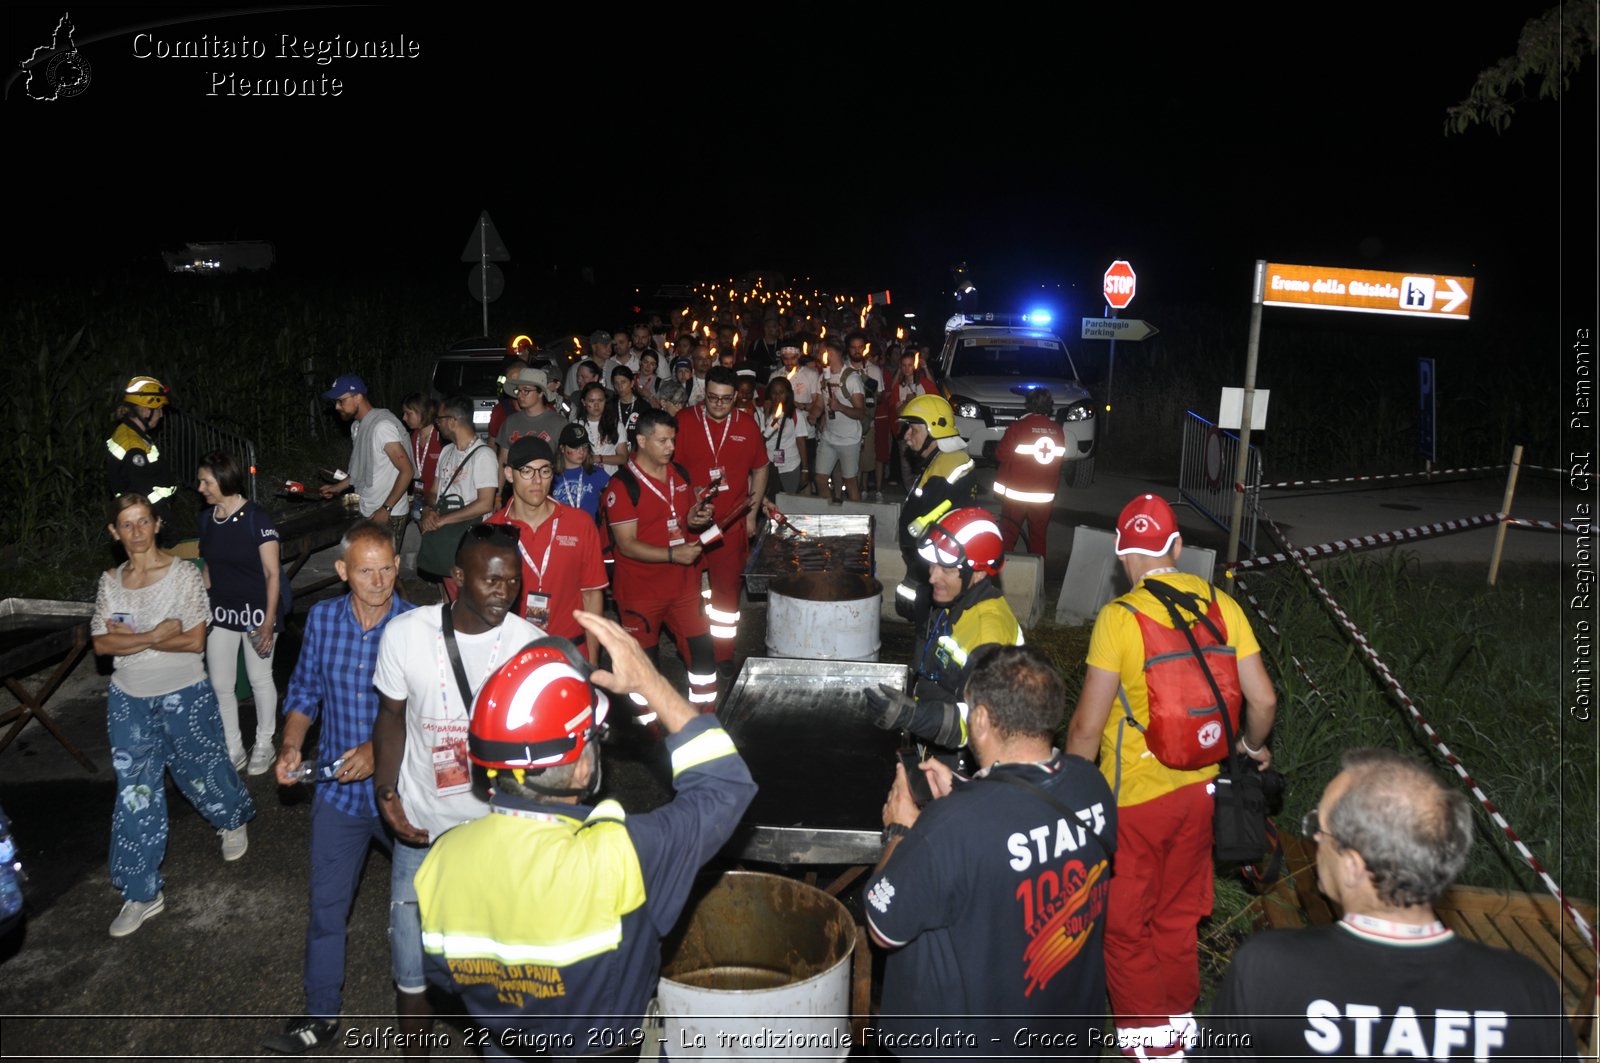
494, 531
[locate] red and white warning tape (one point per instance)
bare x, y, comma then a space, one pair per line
1287, 484
1542, 525
1380, 476
1369, 542
1393, 684
1267, 620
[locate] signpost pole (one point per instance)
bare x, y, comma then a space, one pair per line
483, 253
1111, 373
1241, 468
1505, 511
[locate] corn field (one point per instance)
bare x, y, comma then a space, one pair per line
250, 355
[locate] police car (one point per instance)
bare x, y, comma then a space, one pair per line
989, 363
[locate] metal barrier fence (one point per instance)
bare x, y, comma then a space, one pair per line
185, 440
1205, 478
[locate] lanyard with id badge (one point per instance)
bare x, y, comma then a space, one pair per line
537, 605
674, 532
716, 450
452, 771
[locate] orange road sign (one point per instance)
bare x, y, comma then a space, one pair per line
1366, 291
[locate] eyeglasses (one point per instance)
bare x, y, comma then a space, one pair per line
523, 389
535, 472
719, 398
1311, 827
494, 531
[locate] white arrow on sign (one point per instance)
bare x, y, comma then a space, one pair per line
1130, 329
1458, 295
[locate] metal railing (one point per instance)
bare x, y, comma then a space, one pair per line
1205, 477
185, 440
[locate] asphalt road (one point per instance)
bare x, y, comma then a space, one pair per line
221, 966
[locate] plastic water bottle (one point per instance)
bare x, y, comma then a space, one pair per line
322, 771
10, 872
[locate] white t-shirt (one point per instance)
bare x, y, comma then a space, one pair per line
781, 439
600, 449
482, 470
180, 593
805, 383
435, 781
370, 468
839, 430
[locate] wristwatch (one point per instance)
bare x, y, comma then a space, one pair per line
895, 830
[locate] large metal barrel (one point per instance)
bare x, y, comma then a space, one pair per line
758, 966
824, 616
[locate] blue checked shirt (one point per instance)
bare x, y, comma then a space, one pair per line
333, 678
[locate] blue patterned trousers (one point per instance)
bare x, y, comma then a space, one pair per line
181, 731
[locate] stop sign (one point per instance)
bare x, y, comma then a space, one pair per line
1119, 284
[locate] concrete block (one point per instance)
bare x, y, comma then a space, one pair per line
891, 570
1091, 568
1023, 582
1094, 575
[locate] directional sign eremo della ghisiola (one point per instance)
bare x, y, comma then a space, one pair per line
1367, 291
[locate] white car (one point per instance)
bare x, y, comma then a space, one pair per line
989, 363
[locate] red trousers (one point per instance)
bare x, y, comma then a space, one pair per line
1159, 893
725, 562
1013, 515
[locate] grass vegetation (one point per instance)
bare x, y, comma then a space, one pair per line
1484, 667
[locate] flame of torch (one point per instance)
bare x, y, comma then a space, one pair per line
777, 415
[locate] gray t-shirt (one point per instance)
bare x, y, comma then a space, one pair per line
547, 426
370, 468
181, 593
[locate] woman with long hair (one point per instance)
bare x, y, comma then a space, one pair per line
579, 478
419, 412
150, 617
239, 545
598, 418
783, 424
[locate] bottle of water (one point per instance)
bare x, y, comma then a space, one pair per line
322, 771
10, 872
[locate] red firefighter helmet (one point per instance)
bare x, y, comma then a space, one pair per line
538, 710
968, 539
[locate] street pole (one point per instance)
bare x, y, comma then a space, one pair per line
1111, 373
1241, 467
483, 260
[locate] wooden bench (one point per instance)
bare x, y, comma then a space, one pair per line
1537, 927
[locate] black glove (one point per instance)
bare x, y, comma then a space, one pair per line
889, 708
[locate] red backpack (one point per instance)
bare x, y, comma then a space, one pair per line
1187, 730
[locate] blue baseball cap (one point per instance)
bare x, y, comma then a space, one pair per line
345, 385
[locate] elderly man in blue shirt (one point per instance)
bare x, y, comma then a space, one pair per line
333, 679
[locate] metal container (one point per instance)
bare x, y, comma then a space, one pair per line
758, 966
822, 766
814, 542
824, 616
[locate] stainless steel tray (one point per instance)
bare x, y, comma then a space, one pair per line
823, 767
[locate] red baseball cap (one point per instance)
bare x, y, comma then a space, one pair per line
1147, 526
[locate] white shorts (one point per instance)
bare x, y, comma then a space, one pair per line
847, 458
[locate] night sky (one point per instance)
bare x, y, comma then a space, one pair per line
868, 151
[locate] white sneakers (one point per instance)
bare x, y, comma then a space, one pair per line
261, 759
134, 913
234, 842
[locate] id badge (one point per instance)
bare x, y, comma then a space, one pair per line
780, 456
538, 610
716, 474
674, 538
451, 772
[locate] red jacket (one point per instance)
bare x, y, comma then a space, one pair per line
1030, 455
